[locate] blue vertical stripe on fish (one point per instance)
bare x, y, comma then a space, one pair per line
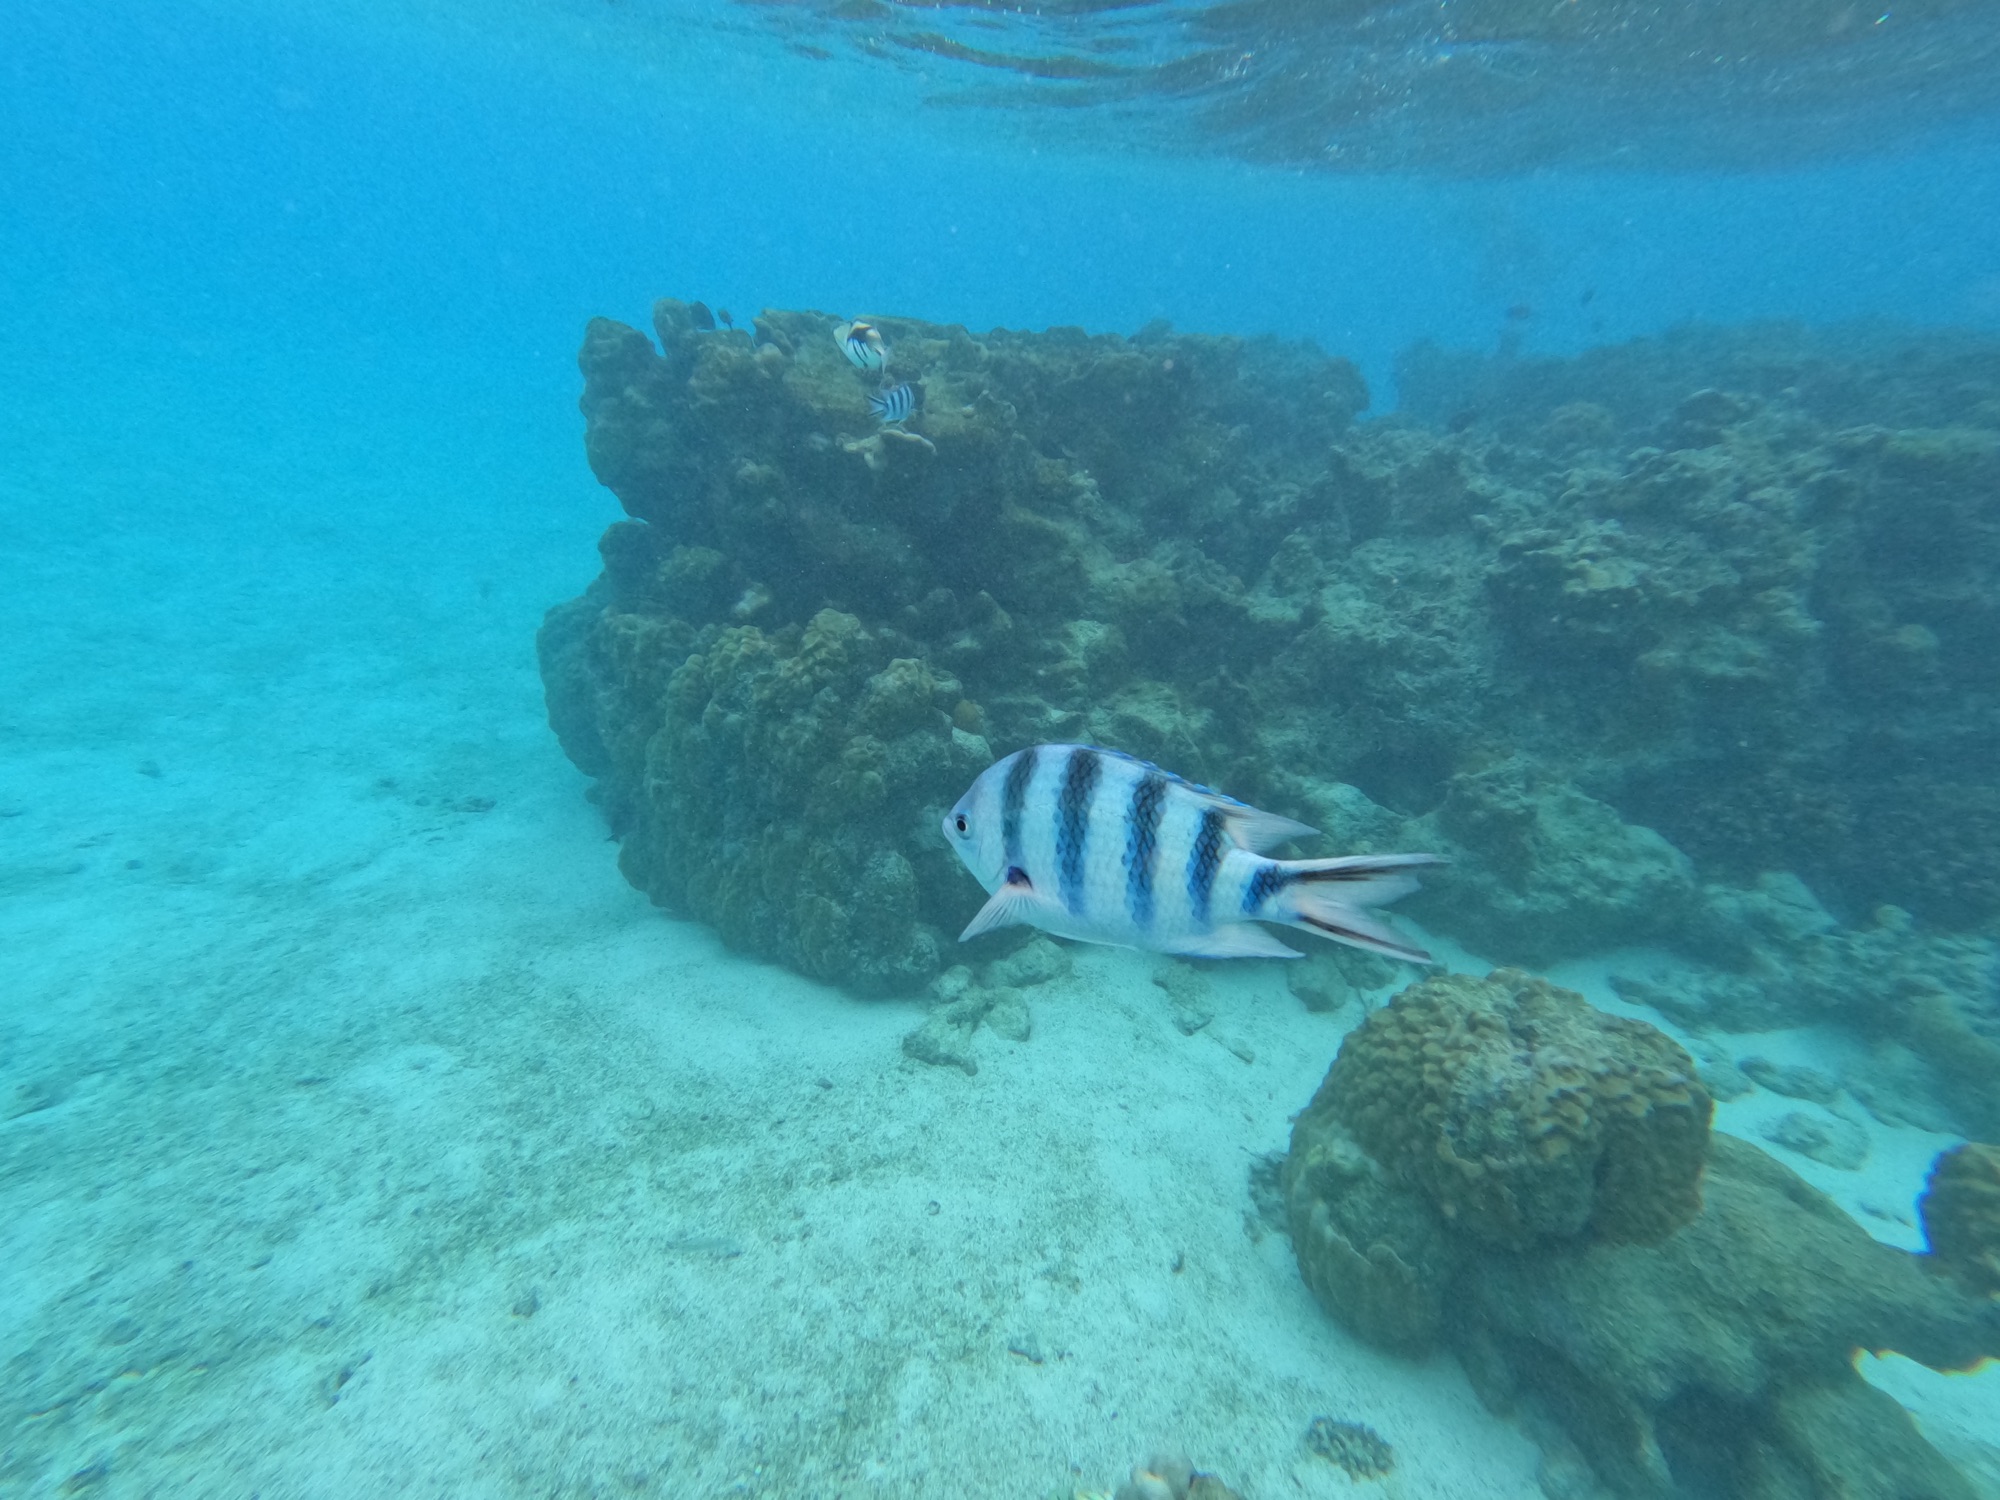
1142, 842
1204, 859
1013, 796
1089, 843
1266, 883
1073, 823
894, 404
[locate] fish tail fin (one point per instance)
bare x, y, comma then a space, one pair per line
1332, 897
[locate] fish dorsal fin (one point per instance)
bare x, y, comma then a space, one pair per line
1253, 829
1248, 827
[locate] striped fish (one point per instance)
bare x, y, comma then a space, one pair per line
1098, 845
894, 404
862, 344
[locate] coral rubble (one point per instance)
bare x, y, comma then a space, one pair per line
1164, 1476
1668, 644
1671, 1311
992, 998
1358, 1449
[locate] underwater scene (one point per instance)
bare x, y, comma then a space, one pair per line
1102, 750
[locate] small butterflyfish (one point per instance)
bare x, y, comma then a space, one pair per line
1100, 846
862, 344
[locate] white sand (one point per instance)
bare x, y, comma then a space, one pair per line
359, 1141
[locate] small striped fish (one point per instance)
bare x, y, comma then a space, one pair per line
894, 404
862, 344
1098, 845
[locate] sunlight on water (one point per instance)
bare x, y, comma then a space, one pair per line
1473, 86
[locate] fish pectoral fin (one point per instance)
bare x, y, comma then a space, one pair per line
1236, 940
1012, 904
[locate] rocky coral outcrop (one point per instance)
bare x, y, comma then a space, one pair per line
1522, 1114
1481, 1113
767, 782
1654, 1341
1545, 871
1722, 1358
1778, 957
1961, 1214
1626, 634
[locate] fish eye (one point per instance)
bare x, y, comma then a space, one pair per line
959, 823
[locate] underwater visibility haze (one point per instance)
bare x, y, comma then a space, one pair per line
711, 710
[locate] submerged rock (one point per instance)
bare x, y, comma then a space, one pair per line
1794, 1080
1547, 871
1037, 961
1711, 1353
1521, 1113
1320, 985
1358, 1449
1961, 1214
1188, 993
963, 1005
1825, 1138
1722, 1359
1622, 654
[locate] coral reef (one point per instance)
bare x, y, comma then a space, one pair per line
1722, 1358
1693, 643
1658, 1338
1521, 1113
1667, 644
1544, 871
1778, 958
1961, 1214
802, 640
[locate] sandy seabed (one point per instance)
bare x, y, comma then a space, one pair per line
362, 1132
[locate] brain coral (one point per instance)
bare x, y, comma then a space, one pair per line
1961, 1213
1521, 1113
1374, 1254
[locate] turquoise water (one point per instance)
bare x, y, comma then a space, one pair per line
362, 1130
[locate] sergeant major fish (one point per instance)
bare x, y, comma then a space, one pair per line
862, 344
1098, 845
894, 404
